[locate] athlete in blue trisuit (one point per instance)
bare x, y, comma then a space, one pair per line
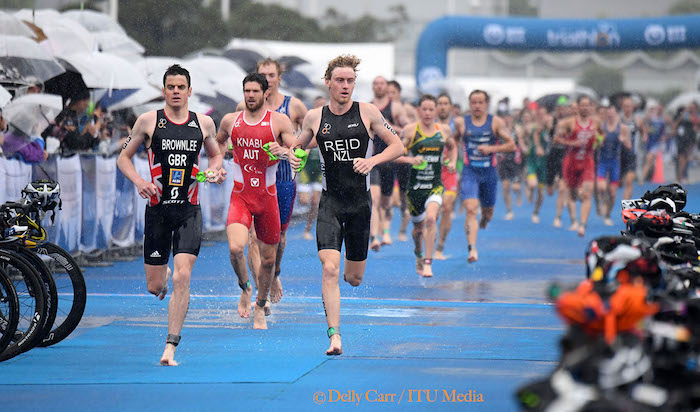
609, 152
655, 126
479, 177
286, 187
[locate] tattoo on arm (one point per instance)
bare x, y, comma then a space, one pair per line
388, 127
126, 143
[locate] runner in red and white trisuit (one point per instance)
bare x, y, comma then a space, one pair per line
578, 134
254, 195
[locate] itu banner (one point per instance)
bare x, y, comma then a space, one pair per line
547, 34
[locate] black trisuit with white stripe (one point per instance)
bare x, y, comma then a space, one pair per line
345, 206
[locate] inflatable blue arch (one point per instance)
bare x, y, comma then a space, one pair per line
546, 34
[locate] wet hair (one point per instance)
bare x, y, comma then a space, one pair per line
258, 78
477, 91
345, 60
176, 70
395, 84
270, 61
444, 94
427, 97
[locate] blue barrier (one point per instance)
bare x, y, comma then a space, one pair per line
546, 34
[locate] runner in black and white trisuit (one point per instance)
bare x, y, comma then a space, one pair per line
173, 137
382, 177
345, 132
628, 158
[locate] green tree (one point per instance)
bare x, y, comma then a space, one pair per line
603, 80
522, 8
685, 7
179, 27
17, 4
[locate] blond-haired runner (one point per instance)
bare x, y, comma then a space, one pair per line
345, 132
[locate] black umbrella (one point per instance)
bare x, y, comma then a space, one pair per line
222, 104
289, 62
293, 79
247, 59
639, 100
67, 85
549, 101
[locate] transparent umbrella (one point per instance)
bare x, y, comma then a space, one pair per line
94, 21
106, 71
32, 113
5, 97
23, 61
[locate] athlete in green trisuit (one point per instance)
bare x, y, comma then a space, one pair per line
424, 141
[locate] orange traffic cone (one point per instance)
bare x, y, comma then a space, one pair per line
658, 176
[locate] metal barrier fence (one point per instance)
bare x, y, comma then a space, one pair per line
102, 211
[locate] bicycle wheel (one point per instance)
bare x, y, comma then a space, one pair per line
49, 286
72, 294
9, 310
32, 303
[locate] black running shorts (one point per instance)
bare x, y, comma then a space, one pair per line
628, 162
554, 161
179, 226
382, 175
344, 220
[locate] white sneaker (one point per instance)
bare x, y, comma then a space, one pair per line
608, 222
535, 219
557, 222
574, 227
509, 216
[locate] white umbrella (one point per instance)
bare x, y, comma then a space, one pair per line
64, 36
94, 21
23, 61
32, 113
38, 16
117, 43
155, 67
62, 39
141, 97
12, 26
681, 100
5, 97
225, 75
106, 71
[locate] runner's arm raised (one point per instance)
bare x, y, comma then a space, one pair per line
564, 128
287, 138
398, 112
298, 113
305, 138
222, 136
214, 172
406, 136
383, 130
500, 131
139, 134
625, 136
